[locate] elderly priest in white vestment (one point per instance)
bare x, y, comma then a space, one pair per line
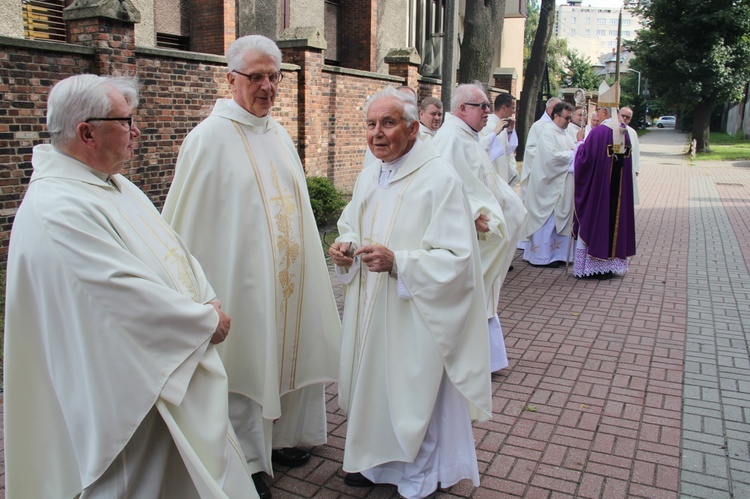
113, 386
239, 199
549, 198
498, 212
414, 360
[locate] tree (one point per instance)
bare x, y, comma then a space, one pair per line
695, 53
529, 29
532, 81
557, 53
579, 73
483, 26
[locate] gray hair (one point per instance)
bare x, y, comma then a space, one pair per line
251, 43
78, 98
463, 94
408, 102
552, 102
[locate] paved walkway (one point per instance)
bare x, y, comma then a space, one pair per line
632, 387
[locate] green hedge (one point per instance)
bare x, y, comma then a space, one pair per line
327, 201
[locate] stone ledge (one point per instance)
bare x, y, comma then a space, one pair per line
45, 46
119, 10
303, 36
400, 55
359, 72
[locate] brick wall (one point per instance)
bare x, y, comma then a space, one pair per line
357, 33
207, 18
26, 76
175, 96
178, 90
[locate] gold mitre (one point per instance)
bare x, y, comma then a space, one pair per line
611, 97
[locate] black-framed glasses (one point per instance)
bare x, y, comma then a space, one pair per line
257, 78
128, 119
625, 116
484, 105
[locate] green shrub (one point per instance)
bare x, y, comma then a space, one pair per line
327, 201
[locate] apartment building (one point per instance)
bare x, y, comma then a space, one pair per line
591, 31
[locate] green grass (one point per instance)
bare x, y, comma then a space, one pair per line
725, 147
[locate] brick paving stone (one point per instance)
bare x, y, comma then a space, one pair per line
632, 387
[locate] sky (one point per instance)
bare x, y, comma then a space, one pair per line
613, 4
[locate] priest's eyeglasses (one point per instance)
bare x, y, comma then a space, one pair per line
257, 78
128, 120
484, 105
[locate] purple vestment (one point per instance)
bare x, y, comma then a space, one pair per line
605, 215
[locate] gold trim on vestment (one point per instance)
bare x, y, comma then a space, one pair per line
285, 250
381, 276
180, 272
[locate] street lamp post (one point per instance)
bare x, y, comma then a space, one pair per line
639, 79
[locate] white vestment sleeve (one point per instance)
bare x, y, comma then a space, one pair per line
496, 149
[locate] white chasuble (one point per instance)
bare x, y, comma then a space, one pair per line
107, 317
550, 188
239, 200
281, 200
380, 208
488, 195
396, 346
530, 151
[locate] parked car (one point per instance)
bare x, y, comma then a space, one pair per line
666, 121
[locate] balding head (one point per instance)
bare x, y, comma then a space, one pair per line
471, 105
550, 105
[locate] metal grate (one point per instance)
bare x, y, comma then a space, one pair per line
176, 42
43, 20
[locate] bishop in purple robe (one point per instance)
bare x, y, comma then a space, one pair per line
604, 211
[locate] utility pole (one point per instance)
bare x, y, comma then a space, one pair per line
617, 61
449, 53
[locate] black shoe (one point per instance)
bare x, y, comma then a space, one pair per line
510, 268
598, 277
605, 276
290, 457
260, 486
357, 480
